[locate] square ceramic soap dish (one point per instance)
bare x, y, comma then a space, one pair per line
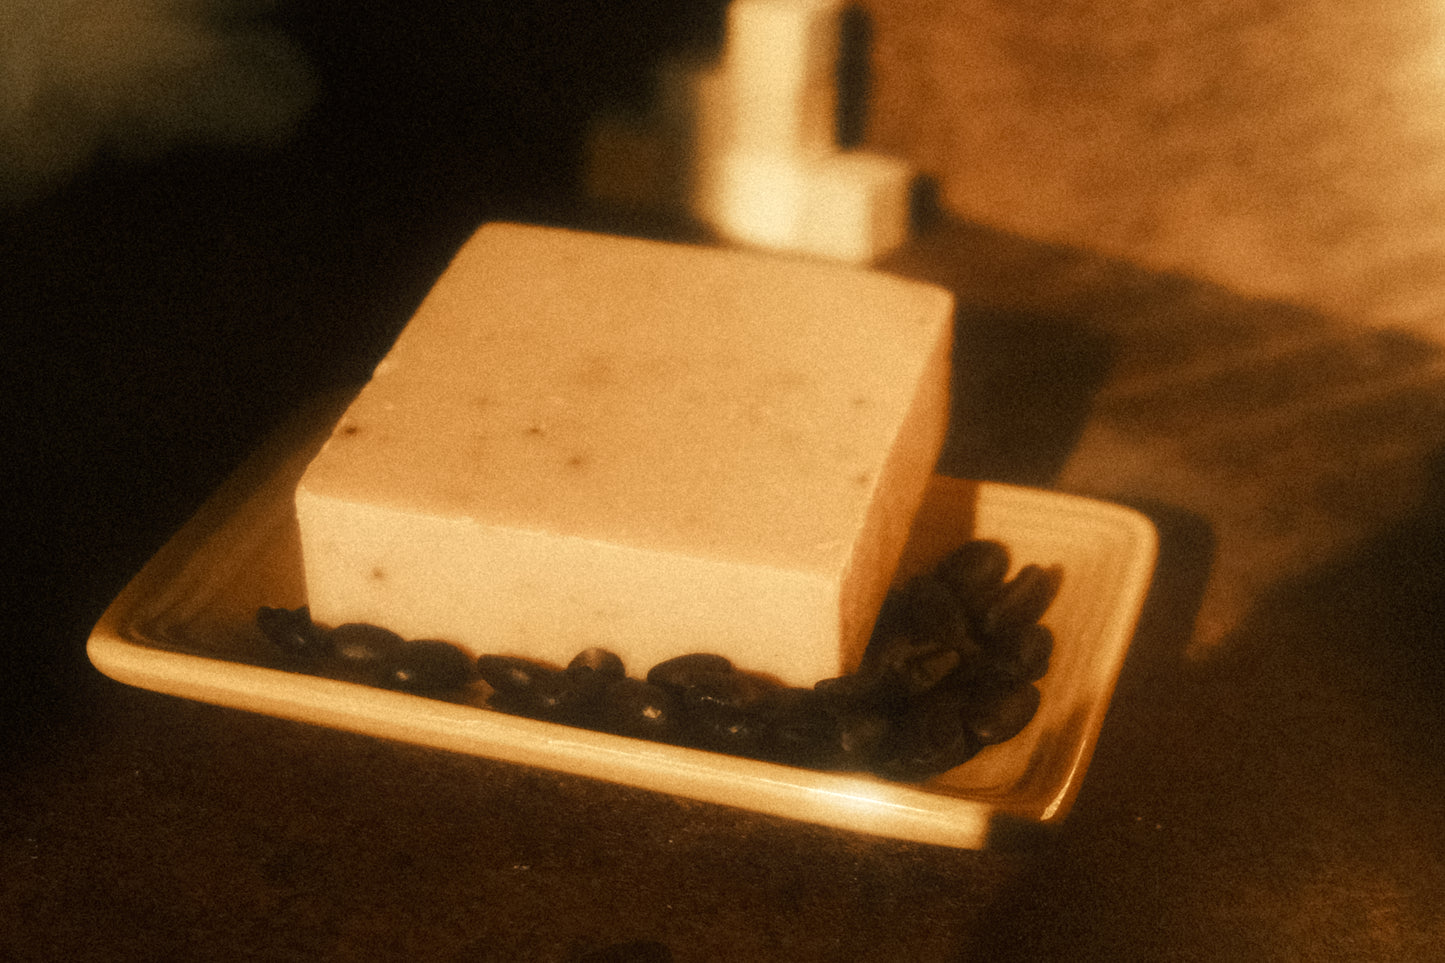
185, 626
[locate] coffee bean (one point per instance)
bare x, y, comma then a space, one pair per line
861, 735
997, 713
928, 669
854, 689
527, 687
734, 733
685, 670
1024, 655
595, 665
801, 727
589, 674
1023, 599
293, 632
936, 613
930, 738
426, 666
724, 711
808, 727
903, 668
632, 707
975, 571
361, 650
725, 692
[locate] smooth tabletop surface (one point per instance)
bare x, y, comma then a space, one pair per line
1266, 785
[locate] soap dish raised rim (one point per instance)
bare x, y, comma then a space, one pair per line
183, 626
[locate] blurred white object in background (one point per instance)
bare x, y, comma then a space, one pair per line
748, 145
135, 78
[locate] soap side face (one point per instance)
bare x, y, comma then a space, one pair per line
585, 440
895, 502
549, 597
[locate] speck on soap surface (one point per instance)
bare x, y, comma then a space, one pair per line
587, 440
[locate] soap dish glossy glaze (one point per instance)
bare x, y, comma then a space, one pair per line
184, 626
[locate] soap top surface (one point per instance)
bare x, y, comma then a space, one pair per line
667, 397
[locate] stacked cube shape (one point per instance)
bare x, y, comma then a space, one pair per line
747, 143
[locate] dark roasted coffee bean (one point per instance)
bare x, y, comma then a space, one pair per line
427, 666
997, 713
293, 632
361, 650
856, 688
971, 659
861, 735
809, 727
735, 733
1024, 654
632, 707
927, 669
527, 687
595, 665
890, 657
801, 727
725, 711
589, 674
512, 674
936, 613
931, 738
975, 571
685, 670
725, 692
1023, 599
904, 668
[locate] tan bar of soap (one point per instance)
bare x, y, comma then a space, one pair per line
588, 440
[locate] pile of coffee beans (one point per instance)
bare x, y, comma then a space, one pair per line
950, 668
